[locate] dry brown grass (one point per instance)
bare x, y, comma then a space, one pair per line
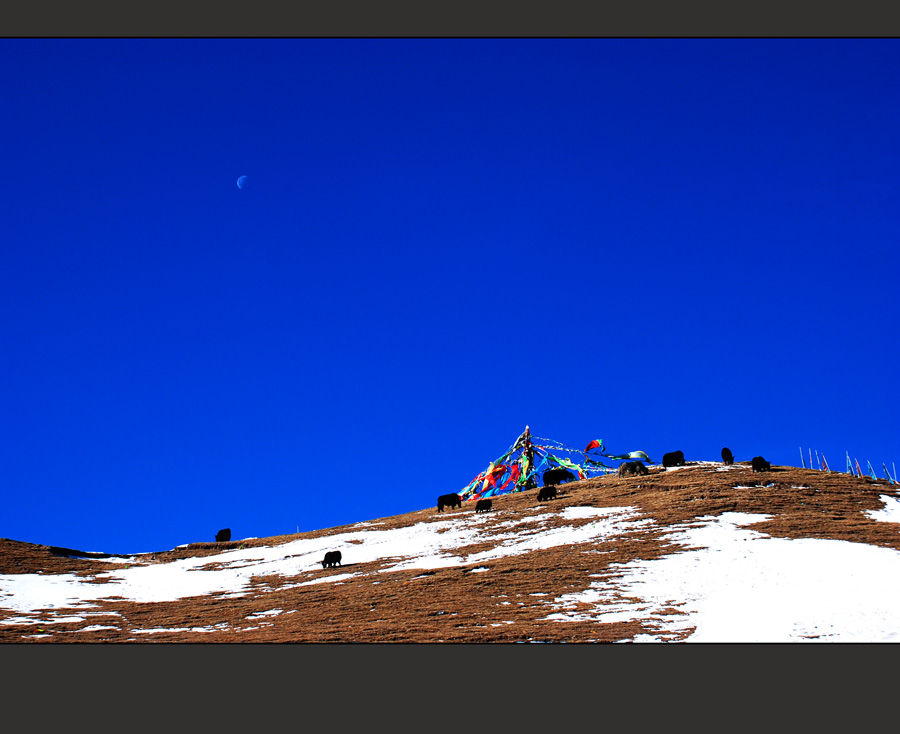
508, 604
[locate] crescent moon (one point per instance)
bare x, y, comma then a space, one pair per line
240, 182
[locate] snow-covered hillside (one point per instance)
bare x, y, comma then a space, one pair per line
718, 579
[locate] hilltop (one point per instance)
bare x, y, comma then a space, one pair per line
526, 571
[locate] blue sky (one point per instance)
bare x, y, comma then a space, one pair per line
665, 244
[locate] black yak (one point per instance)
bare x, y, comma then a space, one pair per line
482, 505
223, 536
675, 458
332, 559
448, 500
629, 468
727, 456
547, 493
558, 475
758, 463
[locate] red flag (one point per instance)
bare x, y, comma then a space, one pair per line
593, 445
495, 475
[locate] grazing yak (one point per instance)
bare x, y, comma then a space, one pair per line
758, 463
727, 456
675, 458
223, 536
629, 468
482, 505
448, 500
547, 493
558, 475
332, 559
